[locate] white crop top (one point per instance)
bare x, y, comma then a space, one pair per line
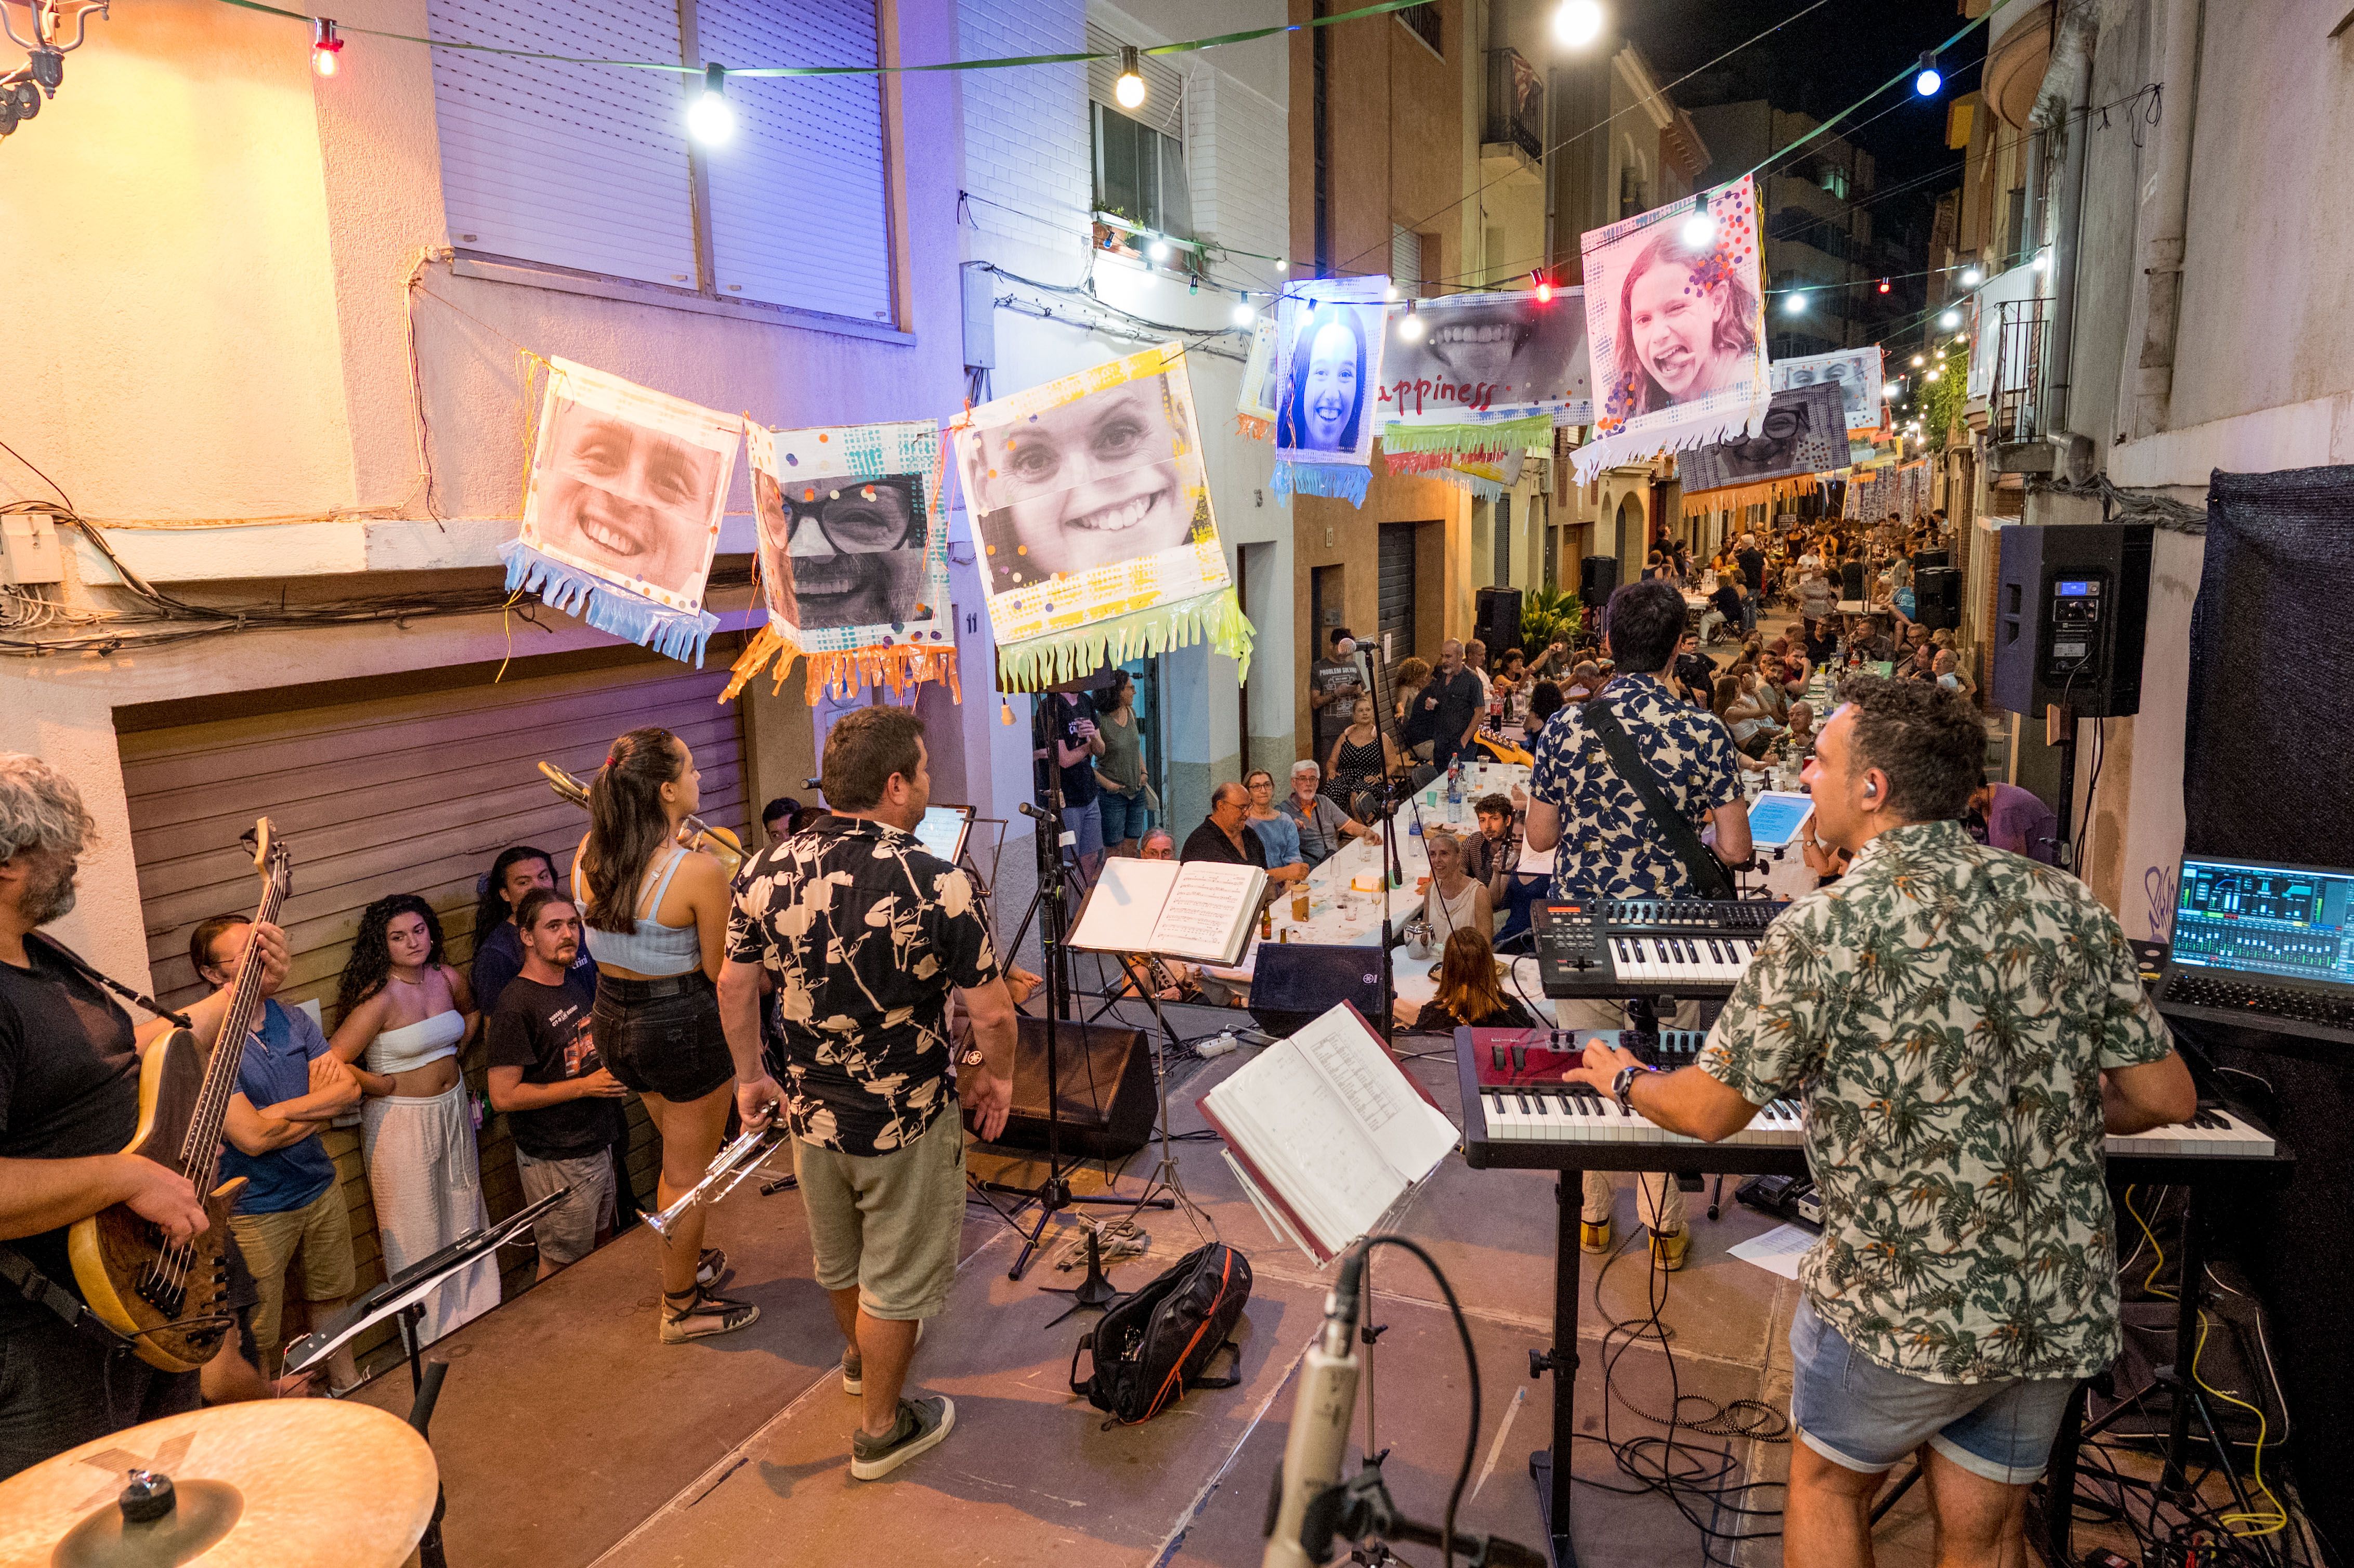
412, 1045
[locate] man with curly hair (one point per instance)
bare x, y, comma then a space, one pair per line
1964, 1026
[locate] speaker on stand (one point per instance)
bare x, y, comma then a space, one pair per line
1597, 580
1496, 621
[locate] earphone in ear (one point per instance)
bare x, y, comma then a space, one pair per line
1871, 791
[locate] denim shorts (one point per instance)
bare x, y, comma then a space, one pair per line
1124, 817
1084, 823
662, 1037
1862, 1416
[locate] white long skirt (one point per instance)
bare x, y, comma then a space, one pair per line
426, 1179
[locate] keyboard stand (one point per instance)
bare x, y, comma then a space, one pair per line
1550, 1468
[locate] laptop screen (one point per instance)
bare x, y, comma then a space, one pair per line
2293, 922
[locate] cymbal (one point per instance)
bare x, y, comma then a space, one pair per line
288, 1483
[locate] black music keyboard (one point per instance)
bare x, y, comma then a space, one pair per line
1517, 1113
1621, 948
2262, 1003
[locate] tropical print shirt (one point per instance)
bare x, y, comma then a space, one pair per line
1611, 846
866, 932
1945, 1012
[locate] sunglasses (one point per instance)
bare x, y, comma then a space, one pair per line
858, 516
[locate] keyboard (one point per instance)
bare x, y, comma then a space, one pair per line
2247, 1001
1518, 1112
1648, 946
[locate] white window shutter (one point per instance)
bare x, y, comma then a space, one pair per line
799, 214
1405, 260
579, 166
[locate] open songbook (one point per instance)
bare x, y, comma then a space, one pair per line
1197, 910
1327, 1133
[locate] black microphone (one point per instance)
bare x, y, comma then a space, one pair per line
1027, 810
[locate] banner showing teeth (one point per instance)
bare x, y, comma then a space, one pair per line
1856, 372
1475, 359
854, 557
1092, 513
1676, 320
622, 516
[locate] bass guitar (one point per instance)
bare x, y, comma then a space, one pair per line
168, 1298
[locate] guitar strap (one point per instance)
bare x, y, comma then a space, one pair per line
1708, 874
73, 961
42, 1291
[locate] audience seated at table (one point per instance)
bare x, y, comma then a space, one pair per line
1470, 993
1455, 900
1279, 834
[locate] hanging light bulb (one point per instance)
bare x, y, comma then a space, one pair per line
1935, 376
1244, 312
710, 120
1130, 88
1543, 286
1157, 250
1972, 276
1930, 79
1888, 394
1282, 264
1699, 229
2042, 260
1883, 285
1949, 320
1795, 304
1919, 360
1410, 326
1390, 294
325, 45
1578, 23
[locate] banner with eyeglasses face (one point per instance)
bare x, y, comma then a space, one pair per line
853, 546
1089, 499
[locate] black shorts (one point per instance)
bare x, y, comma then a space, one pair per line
662, 1037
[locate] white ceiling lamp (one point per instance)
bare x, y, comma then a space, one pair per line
1130, 88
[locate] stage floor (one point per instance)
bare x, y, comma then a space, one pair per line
568, 1436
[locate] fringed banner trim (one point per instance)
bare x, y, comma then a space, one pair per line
609, 607
1043, 661
1495, 436
1337, 482
1427, 464
846, 670
1251, 428
1730, 497
1626, 448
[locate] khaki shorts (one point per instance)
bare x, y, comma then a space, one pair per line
316, 1238
568, 1232
888, 1224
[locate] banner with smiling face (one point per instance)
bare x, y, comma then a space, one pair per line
853, 553
622, 516
1675, 315
1328, 356
1091, 511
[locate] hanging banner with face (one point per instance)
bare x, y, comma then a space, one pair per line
1804, 433
1676, 321
1328, 362
854, 557
622, 516
1254, 408
1092, 511
1471, 359
1856, 372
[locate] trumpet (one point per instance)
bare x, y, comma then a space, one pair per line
719, 843
730, 1167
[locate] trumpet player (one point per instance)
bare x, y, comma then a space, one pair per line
866, 935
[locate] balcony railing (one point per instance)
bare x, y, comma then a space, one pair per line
1516, 103
2015, 403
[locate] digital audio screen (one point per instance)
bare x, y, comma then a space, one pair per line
2080, 589
2287, 921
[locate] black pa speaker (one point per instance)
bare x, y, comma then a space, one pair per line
1496, 620
1295, 983
2071, 610
1597, 580
1852, 580
1924, 559
1937, 598
1103, 1079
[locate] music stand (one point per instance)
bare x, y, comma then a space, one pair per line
403, 1296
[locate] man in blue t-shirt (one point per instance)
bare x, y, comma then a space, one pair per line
290, 1085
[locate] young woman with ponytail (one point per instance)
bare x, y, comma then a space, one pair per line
655, 917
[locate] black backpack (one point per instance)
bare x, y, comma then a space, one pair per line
1150, 1346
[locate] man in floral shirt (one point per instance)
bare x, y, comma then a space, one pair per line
1964, 1026
1612, 847
865, 933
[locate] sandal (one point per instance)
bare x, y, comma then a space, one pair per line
698, 1315
709, 1265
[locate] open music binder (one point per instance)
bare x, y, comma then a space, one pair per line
1327, 1134
1199, 911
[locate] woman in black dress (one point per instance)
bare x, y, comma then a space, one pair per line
1360, 758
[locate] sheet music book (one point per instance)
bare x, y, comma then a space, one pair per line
1327, 1133
1197, 910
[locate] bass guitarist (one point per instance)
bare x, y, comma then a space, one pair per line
69, 1105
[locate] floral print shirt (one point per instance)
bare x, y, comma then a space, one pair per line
866, 932
1945, 1012
1610, 847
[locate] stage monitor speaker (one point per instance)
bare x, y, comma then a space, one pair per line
1104, 1074
1294, 983
1852, 580
1496, 621
1937, 598
1924, 559
1598, 578
2072, 610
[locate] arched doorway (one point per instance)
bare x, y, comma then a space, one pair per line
1632, 545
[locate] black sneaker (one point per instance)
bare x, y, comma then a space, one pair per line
702, 1315
922, 1424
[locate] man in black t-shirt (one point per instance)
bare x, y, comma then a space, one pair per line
69, 1063
1071, 733
561, 1104
1224, 834
1334, 684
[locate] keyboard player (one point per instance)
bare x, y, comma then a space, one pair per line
1961, 1025
1609, 846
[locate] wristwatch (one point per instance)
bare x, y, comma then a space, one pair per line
1623, 1082
973, 1057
